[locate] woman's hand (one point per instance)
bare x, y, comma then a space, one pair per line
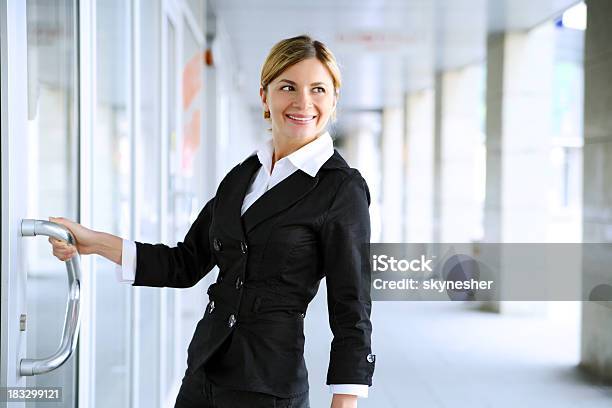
85, 240
344, 401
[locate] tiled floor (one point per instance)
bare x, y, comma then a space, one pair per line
443, 354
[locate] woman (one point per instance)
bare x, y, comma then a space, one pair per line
287, 216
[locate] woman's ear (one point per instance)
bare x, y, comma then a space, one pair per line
264, 102
264, 98
333, 114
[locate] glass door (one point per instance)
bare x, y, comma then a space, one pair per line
40, 178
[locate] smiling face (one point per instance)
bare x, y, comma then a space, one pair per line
300, 101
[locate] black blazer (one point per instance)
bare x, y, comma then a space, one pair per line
271, 261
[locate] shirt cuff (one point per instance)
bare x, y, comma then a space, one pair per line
360, 390
126, 272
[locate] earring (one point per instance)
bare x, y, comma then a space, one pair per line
266, 114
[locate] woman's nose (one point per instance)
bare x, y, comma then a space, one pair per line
303, 100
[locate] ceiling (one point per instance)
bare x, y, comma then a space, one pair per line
384, 48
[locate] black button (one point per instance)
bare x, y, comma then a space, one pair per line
220, 278
217, 244
243, 247
303, 315
211, 306
238, 282
231, 321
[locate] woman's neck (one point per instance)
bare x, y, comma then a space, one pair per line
284, 147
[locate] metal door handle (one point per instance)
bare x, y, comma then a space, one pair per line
72, 321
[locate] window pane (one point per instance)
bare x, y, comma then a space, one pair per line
148, 187
111, 199
52, 179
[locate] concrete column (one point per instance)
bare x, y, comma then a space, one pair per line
461, 154
437, 158
519, 101
519, 134
392, 150
361, 147
419, 167
596, 348
392, 167
493, 138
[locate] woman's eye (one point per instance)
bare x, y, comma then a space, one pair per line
319, 89
286, 86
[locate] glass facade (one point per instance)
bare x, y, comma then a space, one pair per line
52, 179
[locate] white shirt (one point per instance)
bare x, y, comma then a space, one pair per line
309, 158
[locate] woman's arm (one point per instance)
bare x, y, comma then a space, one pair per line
344, 401
157, 265
183, 265
109, 246
88, 242
345, 236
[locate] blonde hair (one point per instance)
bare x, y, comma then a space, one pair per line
290, 51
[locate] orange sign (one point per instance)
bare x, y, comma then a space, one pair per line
192, 79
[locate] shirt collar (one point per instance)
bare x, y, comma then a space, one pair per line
308, 158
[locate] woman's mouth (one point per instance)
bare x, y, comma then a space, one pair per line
300, 119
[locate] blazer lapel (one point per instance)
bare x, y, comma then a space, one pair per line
234, 190
278, 198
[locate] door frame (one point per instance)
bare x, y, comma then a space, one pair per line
86, 57
13, 45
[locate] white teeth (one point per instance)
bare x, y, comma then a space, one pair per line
301, 119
